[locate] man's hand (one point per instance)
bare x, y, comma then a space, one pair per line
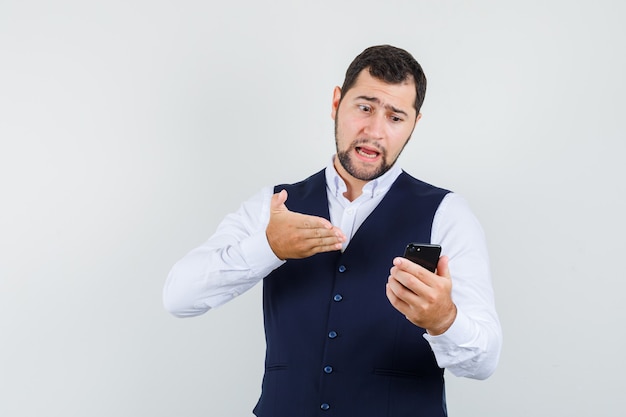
294, 235
422, 296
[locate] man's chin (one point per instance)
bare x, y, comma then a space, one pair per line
361, 171
369, 174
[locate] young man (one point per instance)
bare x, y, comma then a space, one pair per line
352, 329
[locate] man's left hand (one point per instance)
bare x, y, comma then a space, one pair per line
422, 296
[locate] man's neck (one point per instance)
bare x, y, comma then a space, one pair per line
354, 186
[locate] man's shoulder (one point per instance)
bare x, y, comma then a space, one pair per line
407, 180
314, 179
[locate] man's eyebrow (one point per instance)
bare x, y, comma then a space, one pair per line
377, 101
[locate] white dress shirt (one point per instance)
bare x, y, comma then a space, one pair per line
238, 256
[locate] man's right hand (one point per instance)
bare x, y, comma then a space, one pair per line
294, 235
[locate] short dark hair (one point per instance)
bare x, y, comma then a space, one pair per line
390, 64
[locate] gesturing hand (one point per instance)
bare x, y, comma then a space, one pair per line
422, 296
294, 235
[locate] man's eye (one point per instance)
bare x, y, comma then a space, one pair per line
365, 108
395, 118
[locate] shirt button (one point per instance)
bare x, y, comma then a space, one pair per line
338, 297
332, 334
324, 406
342, 268
328, 369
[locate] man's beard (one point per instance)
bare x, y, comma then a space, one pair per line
345, 158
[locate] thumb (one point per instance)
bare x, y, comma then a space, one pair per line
278, 201
442, 267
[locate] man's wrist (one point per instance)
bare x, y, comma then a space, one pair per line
445, 325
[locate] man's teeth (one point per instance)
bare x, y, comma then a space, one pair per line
366, 154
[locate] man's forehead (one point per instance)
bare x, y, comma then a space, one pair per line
401, 95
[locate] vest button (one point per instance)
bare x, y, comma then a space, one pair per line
342, 268
338, 297
328, 369
332, 334
324, 406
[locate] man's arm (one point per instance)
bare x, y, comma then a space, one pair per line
456, 305
247, 246
229, 263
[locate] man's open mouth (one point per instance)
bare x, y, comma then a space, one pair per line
367, 152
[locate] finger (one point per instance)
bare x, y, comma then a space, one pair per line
393, 298
311, 247
326, 238
443, 268
278, 201
423, 275
330, 246
314, 222
407, 265
412, 277
398, 289
320, 227
399, 296
405, 269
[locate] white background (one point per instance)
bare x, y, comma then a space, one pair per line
130, 128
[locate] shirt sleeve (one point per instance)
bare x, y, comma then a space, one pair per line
229, 263
471, 346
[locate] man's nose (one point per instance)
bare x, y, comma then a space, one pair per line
375, 127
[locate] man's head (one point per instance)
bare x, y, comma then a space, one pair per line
391, 65
375, 112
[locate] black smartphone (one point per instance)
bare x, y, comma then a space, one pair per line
426, 255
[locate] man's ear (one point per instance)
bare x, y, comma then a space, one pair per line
417, 119
335, 103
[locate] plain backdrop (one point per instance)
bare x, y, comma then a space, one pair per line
130, 128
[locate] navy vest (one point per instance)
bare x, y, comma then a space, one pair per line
335, 344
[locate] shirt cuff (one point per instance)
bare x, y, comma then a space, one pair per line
259, 255
461, 333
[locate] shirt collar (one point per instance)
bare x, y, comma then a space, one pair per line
337, 185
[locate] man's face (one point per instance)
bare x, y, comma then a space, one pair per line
373, 123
